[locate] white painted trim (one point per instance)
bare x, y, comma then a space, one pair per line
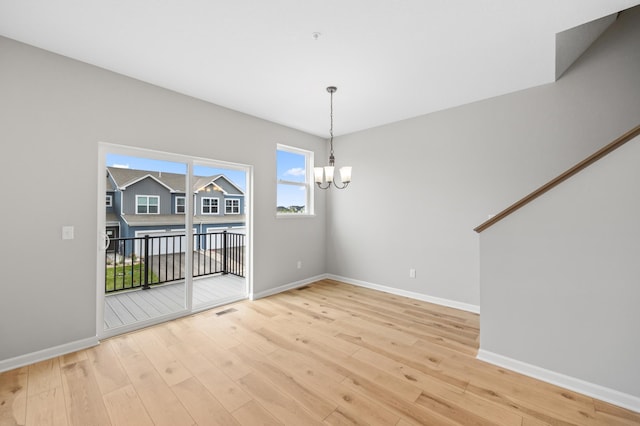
175, 204
191, 207
225, 206
294, 216
241, 192
217, 206
413, 295
140, 179
578, 385
48, 353
285, 287
147, 197
308, 184
418, 296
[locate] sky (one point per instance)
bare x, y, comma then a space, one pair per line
140, 163
290, 167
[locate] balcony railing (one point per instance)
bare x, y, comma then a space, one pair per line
142, 262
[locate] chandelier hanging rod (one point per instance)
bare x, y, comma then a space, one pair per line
324, 175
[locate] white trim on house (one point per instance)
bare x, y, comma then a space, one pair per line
128, 184
217, 205
240, 191
138, 196
593, 390
229, 181
235, 209
214, 185
108, 201
184, 204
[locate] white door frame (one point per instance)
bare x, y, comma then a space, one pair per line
105, 148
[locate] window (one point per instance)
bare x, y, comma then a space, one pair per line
180, 205
109, 201
295, 193
209, 206
147, 204
232, 206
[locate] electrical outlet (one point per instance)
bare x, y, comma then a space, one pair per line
67, 232
412, 273
299, 264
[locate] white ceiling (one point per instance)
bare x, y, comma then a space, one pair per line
390, 59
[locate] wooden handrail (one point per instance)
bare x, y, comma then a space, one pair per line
564, 176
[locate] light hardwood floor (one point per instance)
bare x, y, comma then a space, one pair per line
329, 353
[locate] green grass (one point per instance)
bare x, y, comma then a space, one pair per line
127, 276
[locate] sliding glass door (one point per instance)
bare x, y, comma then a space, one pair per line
174, 237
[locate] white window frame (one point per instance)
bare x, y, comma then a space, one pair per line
147, 205
231, 206
109, 201
307, 184
184, 204
217, 205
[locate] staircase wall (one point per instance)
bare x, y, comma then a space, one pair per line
560, 283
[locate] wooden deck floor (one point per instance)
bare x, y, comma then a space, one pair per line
126, 308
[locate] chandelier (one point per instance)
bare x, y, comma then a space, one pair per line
324, 175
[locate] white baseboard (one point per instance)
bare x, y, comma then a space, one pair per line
413, 295
33, 357
586, 388
418, 296
286, 287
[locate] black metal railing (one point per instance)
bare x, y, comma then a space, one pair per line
142, 262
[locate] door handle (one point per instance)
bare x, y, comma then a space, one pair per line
107, 240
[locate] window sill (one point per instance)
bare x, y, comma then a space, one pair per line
294, 216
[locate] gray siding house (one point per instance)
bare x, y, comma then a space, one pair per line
142, 202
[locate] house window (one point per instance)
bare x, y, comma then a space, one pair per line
209, 206
147, 204
232, 206
180, 205
109, 201
295, 193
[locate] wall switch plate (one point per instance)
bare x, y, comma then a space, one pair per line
299, 264
67, 232
412, 273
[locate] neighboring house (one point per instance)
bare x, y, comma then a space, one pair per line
141, 202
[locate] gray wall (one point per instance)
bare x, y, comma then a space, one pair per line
446, 172
572, 43
559, 277
147, 186
439, 176
224, 184
218, 195
53, 113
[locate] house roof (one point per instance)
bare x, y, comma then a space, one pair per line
174, 182
178, 220
111, 219
109, 186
